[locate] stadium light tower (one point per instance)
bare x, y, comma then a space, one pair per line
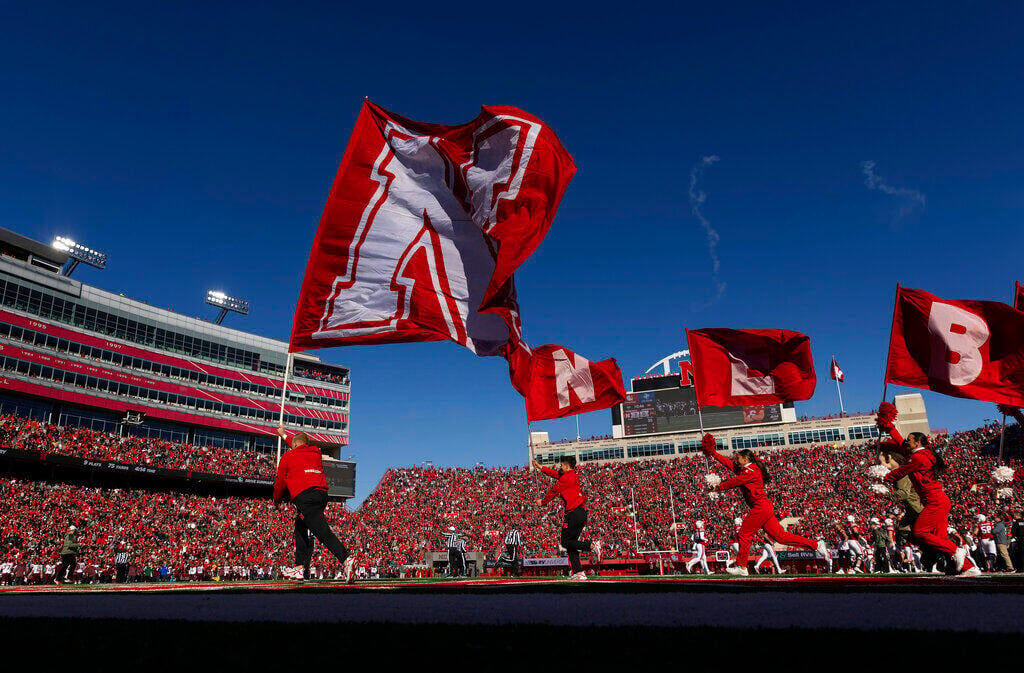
226, 304
79, 253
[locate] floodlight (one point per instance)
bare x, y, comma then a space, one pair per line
226, 304
79, 253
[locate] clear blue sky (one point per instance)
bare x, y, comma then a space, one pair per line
196, 146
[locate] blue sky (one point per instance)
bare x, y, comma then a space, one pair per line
197, 145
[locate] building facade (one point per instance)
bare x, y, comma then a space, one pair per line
791, 432
76, 355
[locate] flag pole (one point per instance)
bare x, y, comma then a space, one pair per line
284, 392
888, 352
636, 531
700, 418
1002, 439
832, 368
672, 506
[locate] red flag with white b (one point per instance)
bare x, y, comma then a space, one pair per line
738, 367
963, 348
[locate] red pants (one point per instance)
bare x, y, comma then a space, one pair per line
763, 516
932, 522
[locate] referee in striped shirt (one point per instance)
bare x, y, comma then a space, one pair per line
121, 563
513, 544
456, 552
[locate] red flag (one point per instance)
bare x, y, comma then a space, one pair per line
755, 366
562, 383
835, 372
423, 229
972, 349
1018, 297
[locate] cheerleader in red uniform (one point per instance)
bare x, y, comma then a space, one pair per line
751, 476
923, 467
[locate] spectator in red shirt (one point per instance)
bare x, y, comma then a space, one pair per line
300, 478
567, 487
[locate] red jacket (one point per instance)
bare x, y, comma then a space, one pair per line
567, 487
748, 479
921, 470
300, 468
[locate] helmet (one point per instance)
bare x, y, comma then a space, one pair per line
451, 528
874, 519
698, 524
738, 521
851, 518
72, 528
981, 517
888, 522
950, 530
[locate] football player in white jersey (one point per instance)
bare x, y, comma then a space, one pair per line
700, 554
768, 552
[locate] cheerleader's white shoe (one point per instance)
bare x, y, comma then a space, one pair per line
736, 570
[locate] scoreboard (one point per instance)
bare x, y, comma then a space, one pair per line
341, 478
664, 404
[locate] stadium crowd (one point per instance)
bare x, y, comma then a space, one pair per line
23, 433
186, 537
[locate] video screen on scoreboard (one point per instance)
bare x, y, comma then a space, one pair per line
675, 410
341, 478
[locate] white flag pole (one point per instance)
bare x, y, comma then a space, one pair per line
636, 530
832, 367
672, 506
284, 393
696, 397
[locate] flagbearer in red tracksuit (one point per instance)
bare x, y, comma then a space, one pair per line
751, 476
567, 487
923, 466
300, 478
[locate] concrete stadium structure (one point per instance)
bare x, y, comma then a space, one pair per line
790, 432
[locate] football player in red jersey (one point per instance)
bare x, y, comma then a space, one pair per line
987, 542
567, 487
751, 476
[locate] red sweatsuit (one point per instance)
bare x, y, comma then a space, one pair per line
931, 524
566, 487
750, 481
300, 468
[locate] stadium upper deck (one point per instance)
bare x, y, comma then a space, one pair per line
77, 355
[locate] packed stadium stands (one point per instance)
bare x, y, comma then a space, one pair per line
194, 537
22, 433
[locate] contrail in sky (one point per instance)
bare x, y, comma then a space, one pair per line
910, 197
697, 198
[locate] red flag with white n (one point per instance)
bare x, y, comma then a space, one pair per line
738, 367
963, 348
562, 383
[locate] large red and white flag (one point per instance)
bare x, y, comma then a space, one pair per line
561, 383
423, 229
963, 348
734, 367
835, 372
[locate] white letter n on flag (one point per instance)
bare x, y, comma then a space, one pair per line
572, 371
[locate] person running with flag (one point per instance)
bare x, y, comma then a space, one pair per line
567, 487
300, 478
751, 477
923, 466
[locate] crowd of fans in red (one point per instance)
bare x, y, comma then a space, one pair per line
193, 537
22, 433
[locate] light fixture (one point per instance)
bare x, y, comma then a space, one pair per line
79, 253
226, 304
